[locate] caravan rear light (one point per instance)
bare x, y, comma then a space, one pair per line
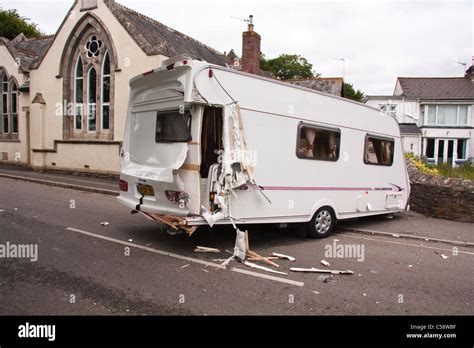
123, 185
211, 73
185, 62
173, 196
177, 197
148, 72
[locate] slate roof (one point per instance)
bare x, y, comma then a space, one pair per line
409, 128
433, 88
154, 37
331, 85
28, 50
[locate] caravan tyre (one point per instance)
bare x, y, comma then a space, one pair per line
322, 223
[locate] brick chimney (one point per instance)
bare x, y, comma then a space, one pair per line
251, 50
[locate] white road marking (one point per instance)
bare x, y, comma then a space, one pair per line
408, 244
186, 258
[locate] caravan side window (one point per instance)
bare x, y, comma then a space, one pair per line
318, 143
378, 151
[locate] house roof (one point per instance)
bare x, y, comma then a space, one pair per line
27, 50
331, 85
155, 38
433, 88
409, 128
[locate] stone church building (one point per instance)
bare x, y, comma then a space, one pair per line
64, 97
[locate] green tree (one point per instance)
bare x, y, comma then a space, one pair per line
287, 67
12, 24
349, 92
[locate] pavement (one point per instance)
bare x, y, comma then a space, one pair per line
133, 266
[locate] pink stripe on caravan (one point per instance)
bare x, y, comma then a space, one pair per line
296, 188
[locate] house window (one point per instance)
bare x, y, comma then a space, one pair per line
390, 109
105, 93
14, 108
78, 95
430, 148
5, 125
91, 100
447, 115
461, 150
318, 143
378, 151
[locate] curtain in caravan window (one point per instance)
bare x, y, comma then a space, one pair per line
378, 151
310, 137
333, 145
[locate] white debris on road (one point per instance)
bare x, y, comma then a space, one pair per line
105, 223
201, 249
317, 270
325, 263
283, 256
253, 265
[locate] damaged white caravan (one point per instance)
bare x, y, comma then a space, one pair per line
209, 145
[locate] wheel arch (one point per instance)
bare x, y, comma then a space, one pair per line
324, 203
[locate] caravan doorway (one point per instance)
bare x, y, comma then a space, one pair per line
211, 139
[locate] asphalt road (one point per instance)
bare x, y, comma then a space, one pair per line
77, 256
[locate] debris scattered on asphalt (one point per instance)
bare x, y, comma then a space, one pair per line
324, 278
201, 249
444, 256
360, 274
226, 262
325, 263
315, 292
410, 266
148, 244
186, 265
256, 257
283, 256
218, 260
1, 210
374, 272
241, 244
364, 294
396, 235
317, 270
15, 209
130, 240
205, 270
105, 223
253, 265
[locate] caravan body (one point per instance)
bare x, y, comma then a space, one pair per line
299, 150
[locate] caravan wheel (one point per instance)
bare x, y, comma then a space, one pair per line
322, 223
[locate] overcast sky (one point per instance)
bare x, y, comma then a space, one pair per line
379, 40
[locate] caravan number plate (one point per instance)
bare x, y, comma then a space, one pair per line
146, 190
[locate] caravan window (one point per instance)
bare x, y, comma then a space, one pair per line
172, 126
378, 151
318, 143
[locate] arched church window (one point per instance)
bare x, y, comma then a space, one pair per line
5, 123
14, 108
91, 100
78, 94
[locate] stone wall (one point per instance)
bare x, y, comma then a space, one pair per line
441, 197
